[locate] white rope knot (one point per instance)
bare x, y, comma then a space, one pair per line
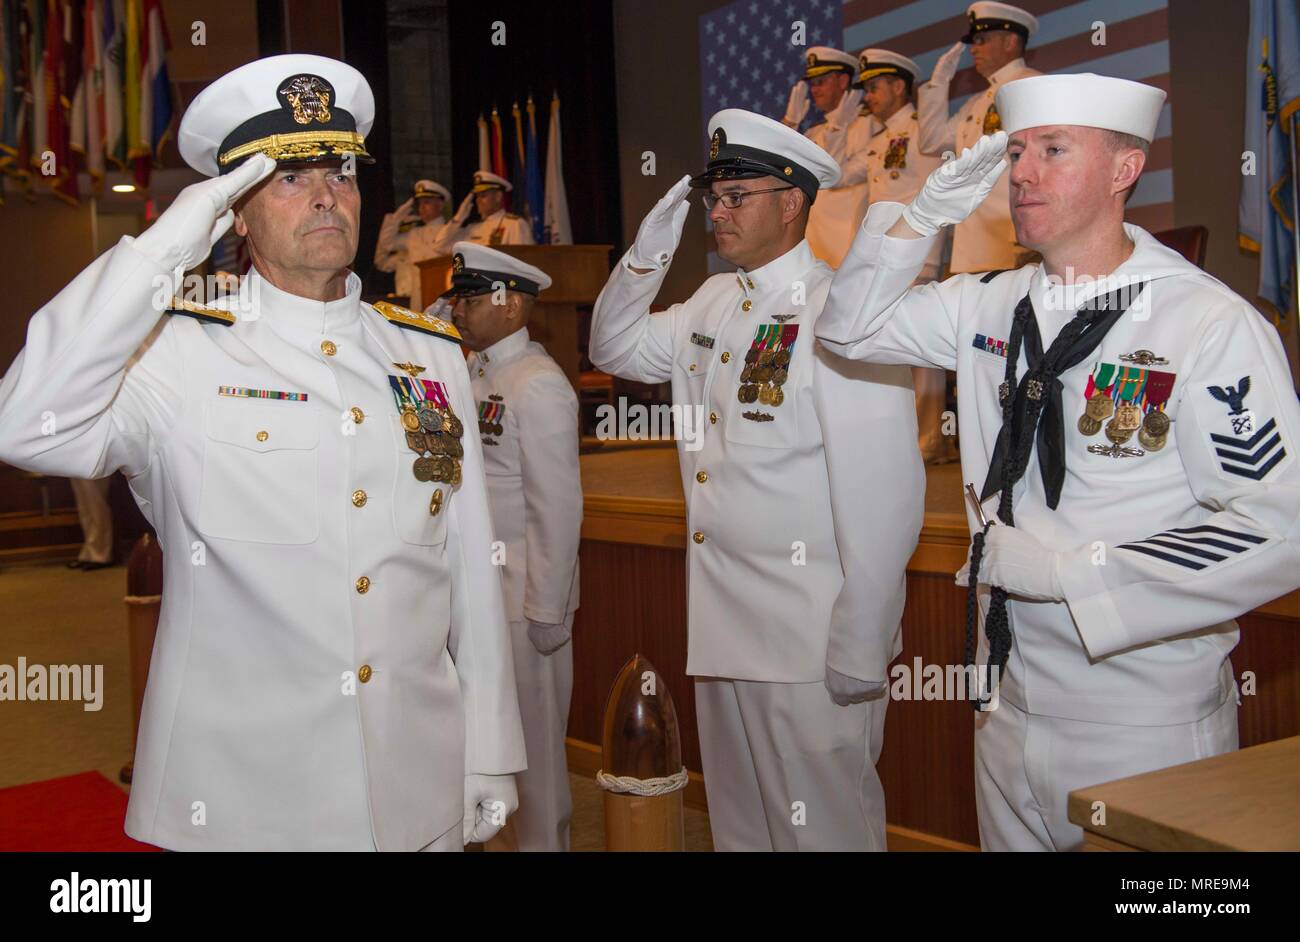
646, 787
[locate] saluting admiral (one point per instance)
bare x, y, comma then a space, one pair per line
1136, 421
528, 424
997, 34
803, 501
332, 669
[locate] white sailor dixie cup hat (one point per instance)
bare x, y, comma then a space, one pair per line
293, 108
490, 181
1095, 101
744, 145
823, 60
985, 16
430, 188
873, 62
477, 269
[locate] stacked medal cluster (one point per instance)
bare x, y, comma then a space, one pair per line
1119, 397
767, 364
489, 417
432, 429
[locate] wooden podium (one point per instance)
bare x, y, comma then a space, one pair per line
578, 272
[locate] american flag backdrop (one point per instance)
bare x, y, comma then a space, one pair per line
747, 59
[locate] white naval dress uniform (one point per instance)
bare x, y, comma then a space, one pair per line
397, 251
801, 527
1131, 672
501, 228
331, 657
986, 240
530, 454
837, 211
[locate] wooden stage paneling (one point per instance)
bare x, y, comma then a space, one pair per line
634, 600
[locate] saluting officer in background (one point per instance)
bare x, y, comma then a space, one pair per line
1136, 419
804, 499
409, 231
332, 669
997, 36
496, 226
528, 423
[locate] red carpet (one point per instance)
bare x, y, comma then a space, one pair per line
78, 813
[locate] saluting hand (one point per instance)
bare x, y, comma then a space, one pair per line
183, 236
946, 68
661, 230
466, 205
796, 109
957, 187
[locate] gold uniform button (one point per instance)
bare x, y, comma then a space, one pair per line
713, 418
697, 536
726, 357
480, 371
363, 585
691, 368
263, 436
364, 673
435, 503
359, 498
327, 347
357, 415
701, 476
746, 304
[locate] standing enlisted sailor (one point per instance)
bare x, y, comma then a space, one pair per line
406, 232
892, 166
804, 499
1136, 419
332, 669
528, 421
829, 78
997, 36
495, 225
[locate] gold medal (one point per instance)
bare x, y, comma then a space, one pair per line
423, 468
1151, 442
455, 474
1117, 434
1088, 425
1128, 417
782, 358
780, 375
415, 441
765, 395
453, 426
1100, 407
410, 421
777, 397
1156, 424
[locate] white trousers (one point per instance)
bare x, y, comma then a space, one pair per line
1026, 765
787, 769
545, 685
96, 519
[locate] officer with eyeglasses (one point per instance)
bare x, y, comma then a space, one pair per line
804, 500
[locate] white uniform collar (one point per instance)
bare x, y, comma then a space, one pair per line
778, 274
1149, 261
899, 119
508, 346
1003, 75
261, 298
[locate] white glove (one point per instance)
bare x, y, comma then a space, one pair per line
183, 236
796, 109
843, 114
1020, 564
953, 190
406, 209
845, 690
466, 207
547, 638
946, 68
661, 230
489, 801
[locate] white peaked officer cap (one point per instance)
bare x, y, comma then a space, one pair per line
1093, 101
477, 269
823, 60
430, 188
874, 62
293, 108
744, 145
986, 16
490, 181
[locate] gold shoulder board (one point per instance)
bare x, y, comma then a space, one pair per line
209, 315
427, 324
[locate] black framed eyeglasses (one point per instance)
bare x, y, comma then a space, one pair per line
733, 199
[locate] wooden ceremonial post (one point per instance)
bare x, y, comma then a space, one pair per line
642, 741
578, 272
144, 583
